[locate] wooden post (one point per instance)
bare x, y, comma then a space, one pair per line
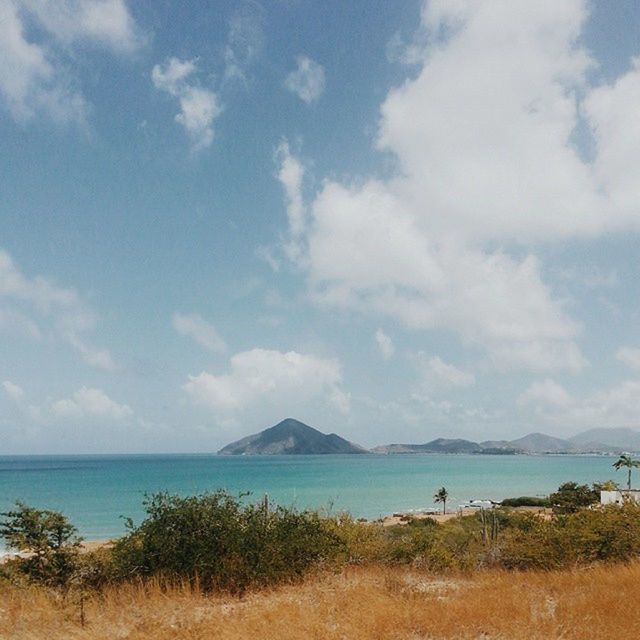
82, 620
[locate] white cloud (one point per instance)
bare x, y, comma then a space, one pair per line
629, 356
244, 41
35, 76
90, 403
290, 175
488, 169
95, 357
611, 112
618, 406
307, 80
546, 393
103, 22
70, 317
269, 377
203, 332
428, 281
385, 344
14, 391
16, 322
198, 106
437, 375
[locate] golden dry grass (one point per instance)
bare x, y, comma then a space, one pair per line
359, 603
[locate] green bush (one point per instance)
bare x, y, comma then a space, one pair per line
582, 537
219, 543
48, 541
571, 496
525, 501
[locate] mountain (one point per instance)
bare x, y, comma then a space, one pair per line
611, 439
290, 437
496, 444
440, 445
531, 443
541, 443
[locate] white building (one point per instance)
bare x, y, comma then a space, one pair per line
618, 497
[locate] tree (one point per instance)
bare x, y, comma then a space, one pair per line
571, 496
47, 539
441, 495
219, 542
628, 463
607, 485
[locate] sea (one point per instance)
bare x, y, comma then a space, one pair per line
97, 492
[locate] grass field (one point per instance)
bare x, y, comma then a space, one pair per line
358, 603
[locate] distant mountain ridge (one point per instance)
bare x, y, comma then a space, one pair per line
620, 437
591, 441
291, 437
439, 445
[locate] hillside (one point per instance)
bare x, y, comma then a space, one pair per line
290, 437
540, 443
618, 439
440, 445
594, 440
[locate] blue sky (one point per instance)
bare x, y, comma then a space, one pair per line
393, 220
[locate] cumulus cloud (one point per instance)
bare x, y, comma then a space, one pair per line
437, 375
269, 377
629, 356
62, 307
15, 322
290, 174
307, 80
488, 169
617, 406
99, 22
429, 281
198, 106
546, 393
197, 328
35, 76
245, 41
14, 391
90, 403
385, 344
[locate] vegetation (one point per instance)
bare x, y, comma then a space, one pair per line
570, 497
212, 540
357, 604
526, 501
48, 541
441, 495
627, 462
216, 542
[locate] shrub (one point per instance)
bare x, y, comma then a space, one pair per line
571, 496
47, 539
582, 537
216, 541
525, 501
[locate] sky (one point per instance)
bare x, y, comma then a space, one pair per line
391, 220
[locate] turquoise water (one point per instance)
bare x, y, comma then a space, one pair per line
96, 491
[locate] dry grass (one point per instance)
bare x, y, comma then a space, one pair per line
360, 603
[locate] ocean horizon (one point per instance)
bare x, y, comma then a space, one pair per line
97, 492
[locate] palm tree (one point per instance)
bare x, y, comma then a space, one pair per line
627, 462
441, 495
